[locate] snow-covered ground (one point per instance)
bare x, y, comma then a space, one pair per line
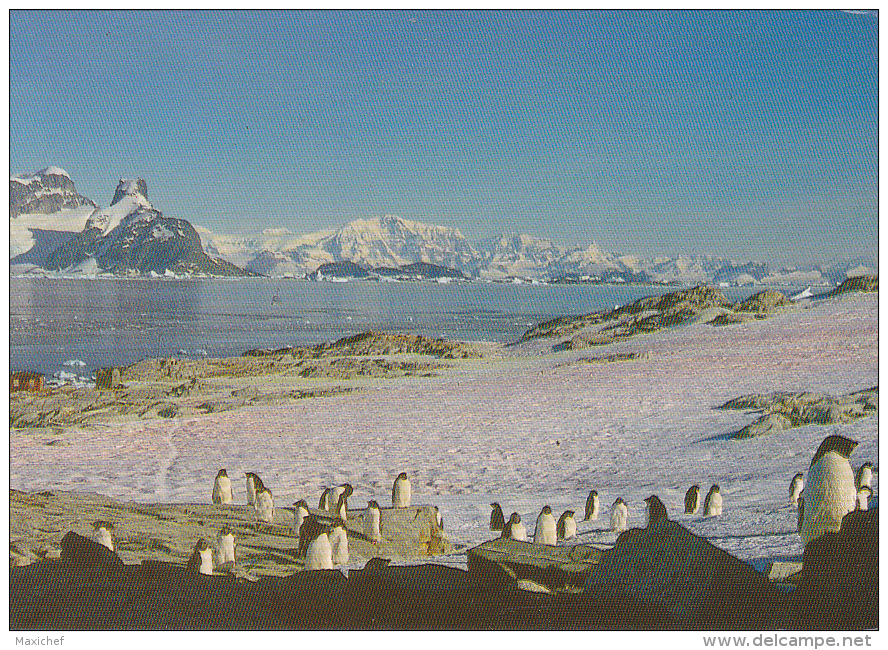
524, 430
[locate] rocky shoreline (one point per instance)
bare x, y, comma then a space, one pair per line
177, 388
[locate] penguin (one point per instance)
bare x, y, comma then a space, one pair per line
326, 498
567, 525
222, 488
514, 529
300, 512
795, 489
201, 560
592, 507
341, 509
401, 491
692, 500
102, 533
545, 532
863, 496
319, 552
864, 476
619, 516
373, 523
225, 547
339, 542
712, 505
439, 518
655, 510
336, 492
254, 484
830, 493
497, 521
264, 506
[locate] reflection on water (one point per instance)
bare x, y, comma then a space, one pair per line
120, 321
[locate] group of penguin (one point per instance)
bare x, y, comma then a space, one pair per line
548, 531
831, 491
320, 545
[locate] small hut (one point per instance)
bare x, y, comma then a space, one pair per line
25, 381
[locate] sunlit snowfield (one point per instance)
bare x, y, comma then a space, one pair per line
524, 430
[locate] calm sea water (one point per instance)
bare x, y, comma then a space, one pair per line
120, 321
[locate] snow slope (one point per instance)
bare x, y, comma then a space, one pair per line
523, 430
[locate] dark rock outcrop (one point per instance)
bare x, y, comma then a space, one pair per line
46, 192
865, 283
763, 302
698, 585
838, 587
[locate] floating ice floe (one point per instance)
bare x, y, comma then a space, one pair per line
72, 363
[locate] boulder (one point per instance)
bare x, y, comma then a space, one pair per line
698, 585
838, 587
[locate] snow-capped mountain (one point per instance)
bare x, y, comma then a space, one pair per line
45, 211
132, 238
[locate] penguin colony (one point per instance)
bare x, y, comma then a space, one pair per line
830, 490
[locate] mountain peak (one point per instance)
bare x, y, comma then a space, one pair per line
130, 187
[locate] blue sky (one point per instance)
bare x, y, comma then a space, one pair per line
750, 135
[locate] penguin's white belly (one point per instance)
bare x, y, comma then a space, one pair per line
796, 491
225, 549
206, 562
545, 532
334, 499
829, 496
339, 545
401, 496
570, 528
222, 490
103, 537
866, 478
251, 492
371, 525
265, 509
620, 519
519, 532
319, 554
714, 506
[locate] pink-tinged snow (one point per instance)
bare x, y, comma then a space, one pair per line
525, 431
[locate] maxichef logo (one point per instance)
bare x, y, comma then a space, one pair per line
787, 641
38, 640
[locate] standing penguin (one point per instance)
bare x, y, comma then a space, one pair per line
439, 518
497, 521
655, 510
201, 560
337, 492
619, 516
692, 500
264, 506
339, 542
863, 496
222, 488
567, 525
373, 523
864, 476
795, 489
310, 529
592, 507
712, 505
830, 493
341, 509
319, 552
300, 512
254, 484
401, 491
545, 532
225, 546
514, 529
102, 533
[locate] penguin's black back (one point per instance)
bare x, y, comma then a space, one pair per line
497, 521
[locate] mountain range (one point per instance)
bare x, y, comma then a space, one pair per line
52, 228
